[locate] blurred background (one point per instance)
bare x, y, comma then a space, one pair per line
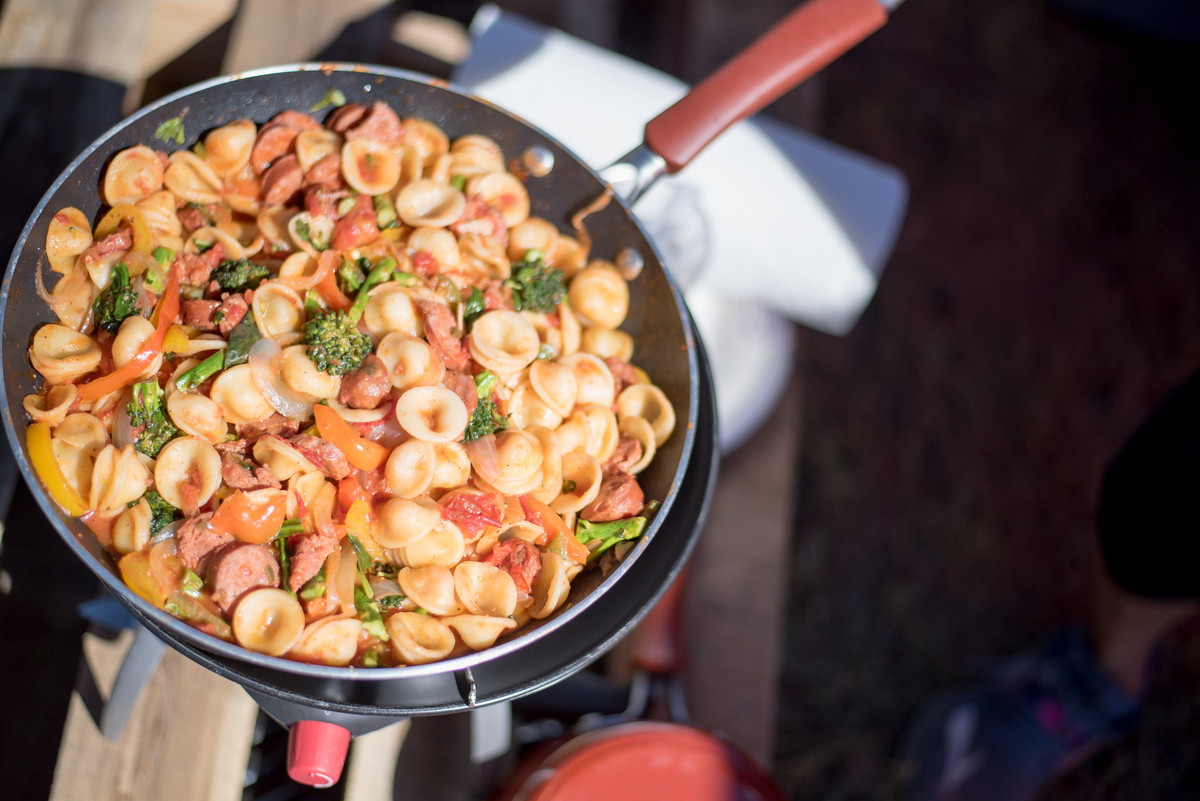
1043, 295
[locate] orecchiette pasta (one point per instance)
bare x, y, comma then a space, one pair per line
238, 290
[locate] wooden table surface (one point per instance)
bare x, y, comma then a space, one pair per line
198, 725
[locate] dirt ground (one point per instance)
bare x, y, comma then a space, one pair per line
1043, 296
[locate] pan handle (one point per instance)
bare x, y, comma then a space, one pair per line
807, 40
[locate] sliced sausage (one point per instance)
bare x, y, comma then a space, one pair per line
480, 218
309, 552
357, 227
230, 313
200, 313
366, 386
462, 385
196, 268
622, 372
625, 455
518, 558
197, 541
244, 475
345, 117
275, 424
274, 141
238, 568
444, 336
295, 119
282, 180
325, 455
620, 497
326, 173
379, 124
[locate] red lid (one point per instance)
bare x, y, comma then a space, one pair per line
650, 763
317, 752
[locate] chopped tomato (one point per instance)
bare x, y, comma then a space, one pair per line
472, 512
349, 490
360, 451
251, 519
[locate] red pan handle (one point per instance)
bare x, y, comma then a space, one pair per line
317, 752
657, 642
801, 45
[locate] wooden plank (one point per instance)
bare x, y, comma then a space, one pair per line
269, 32
371, 771
188, 738
736, 592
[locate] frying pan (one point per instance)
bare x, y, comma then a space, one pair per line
600, 608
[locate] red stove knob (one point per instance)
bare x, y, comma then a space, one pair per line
317, 752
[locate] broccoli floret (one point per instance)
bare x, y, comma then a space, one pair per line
236, 276
162, 513
535, 285
335, 344
148, 416
486, 419
117, 301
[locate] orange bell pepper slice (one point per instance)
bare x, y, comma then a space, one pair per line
168, 309
130, 214
359, 451
254, 520
49, 472
327, 286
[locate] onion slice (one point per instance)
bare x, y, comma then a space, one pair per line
39, 284
264, 367
483, 456
122, 427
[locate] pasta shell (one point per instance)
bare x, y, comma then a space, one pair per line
187, 473
486, 255
603, 432
389, 309
599, 296
370, 168
431, 588
239, 397
440, 243
73, 296
550, 587
67, 235
650, 403
301, 374
556, 384
442, 547
268, 620
520, 456
131, 528
583, 471
409, 468
432, 414
526, 408
50, 407
503, 341
567, 254
569, 330
159, 212
430, 203
272, 223
329, 641
504, 192
134, 173
418, 639
593, 378
426, 138
533, 233
302, 491
282, 459
83, 431
118, 479
63, 354
452, 468
197, 415
475, 153
410, 361
478, 632
227, 148
310, 233
403, 521
607, 344
485, 589
278, 309
315, 144
130, 340
202, 239
76, 466
191, 180
641, 430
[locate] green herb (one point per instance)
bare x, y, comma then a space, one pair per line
171, 131
391, 601
163, 256
350, 276
148, 417
285, 557
568, 486
599, 537
362, 557
314, 588
242, 339
459, 182
385, 570
369, 614
486, 419
406, 279
333, 97
202, 371
117, 301
473, 306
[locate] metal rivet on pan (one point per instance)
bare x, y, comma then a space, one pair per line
537, 161
629, 263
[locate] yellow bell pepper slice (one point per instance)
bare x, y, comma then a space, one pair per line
126, 213
176, 340
49, 472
